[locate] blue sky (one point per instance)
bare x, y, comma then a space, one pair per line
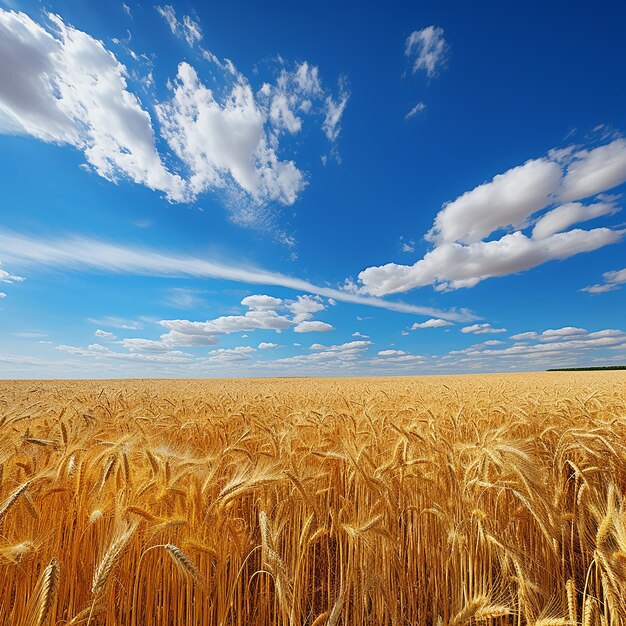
271, 190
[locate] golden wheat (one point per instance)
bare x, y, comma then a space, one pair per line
438, 501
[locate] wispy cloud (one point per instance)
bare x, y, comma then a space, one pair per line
82, 254
418, 108
427, 49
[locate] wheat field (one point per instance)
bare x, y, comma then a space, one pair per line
495, 499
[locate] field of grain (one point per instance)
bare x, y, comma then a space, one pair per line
407, 501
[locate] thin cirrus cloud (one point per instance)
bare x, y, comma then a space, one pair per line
427, 50
187, 28
463, 255
420, 107
86, 254
60, 85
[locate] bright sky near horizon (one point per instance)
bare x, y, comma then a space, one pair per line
274, 189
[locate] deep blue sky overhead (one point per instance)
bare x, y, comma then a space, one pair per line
254, 189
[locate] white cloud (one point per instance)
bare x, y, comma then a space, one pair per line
482, 329
225, 355
559, 219
261, 302
187, 29
63, 86
83, 254
431, 323
334, 110
189, 333
265, 345
104, 334
5, 277
100, 352
559, 333
2, 295
191, 30
338, 355
427, 49
313, 326
463, 256
524, 336
137, 344
222, 141
358, 334
261, 315
418, 108
112, 321
613, 280
342, 347
454, 266
304, 307
593, 171
549, 349
391, 353
507, 200
615, 276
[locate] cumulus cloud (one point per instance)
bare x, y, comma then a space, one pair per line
391, 352
482, 329
60, 85
313, 326
465, 251
189, 333
613, 280
266, 345
2, 294
226, 355
507, 200
431, 323
99, 352
304, 307
559, 333
104, 334
427, 50
264, 313
261, 302
559, 219
524, 336
537, 346
350, 345
592, 171
453, 265
338, 355
223, 141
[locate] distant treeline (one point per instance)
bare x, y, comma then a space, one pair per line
587, 369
